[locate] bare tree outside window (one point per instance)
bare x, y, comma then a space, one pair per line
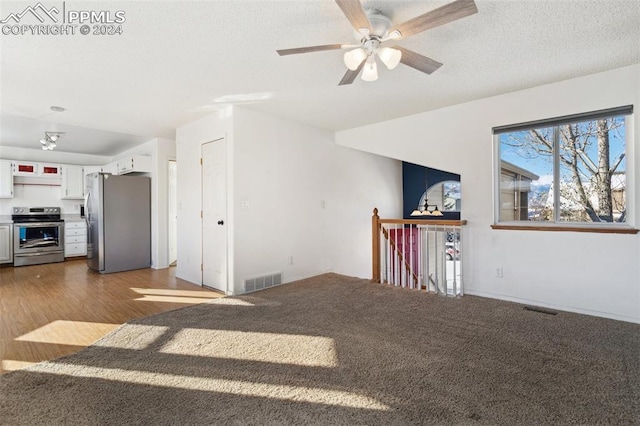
591, 171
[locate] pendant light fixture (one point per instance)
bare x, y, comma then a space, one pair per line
50, 140
427, 209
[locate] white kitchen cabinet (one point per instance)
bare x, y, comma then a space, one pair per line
72, 187
6, 179
6, 243
111, 168
24, 168
27, 168
134, 163
92, 169
52, 170
75, 238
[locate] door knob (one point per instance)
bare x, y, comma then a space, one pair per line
221, 222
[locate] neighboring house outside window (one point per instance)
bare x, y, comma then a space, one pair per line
515, 186
567, 170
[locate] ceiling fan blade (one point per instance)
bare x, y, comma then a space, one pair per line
308, 49
355, 13
440, 16
350, 76
417, 61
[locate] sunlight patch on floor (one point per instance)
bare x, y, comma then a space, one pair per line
293, 349
172, 299
13, 365
231, 302
190, 297
139, 337
177, 293
63, 332
303, 394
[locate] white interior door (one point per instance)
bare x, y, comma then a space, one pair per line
214, 215
173, 212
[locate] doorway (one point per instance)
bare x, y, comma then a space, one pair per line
173, 213
214, 215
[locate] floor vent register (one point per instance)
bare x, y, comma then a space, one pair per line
265, 281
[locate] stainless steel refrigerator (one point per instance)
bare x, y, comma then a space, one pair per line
118, 215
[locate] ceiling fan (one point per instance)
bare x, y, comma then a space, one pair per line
372, 29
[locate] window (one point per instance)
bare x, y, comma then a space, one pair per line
567, 170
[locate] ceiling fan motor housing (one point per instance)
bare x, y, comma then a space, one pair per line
380, 25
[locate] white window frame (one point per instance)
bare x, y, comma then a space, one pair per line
630, 222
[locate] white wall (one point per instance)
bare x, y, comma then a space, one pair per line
283, 170
165, 150
189, 139
591, 273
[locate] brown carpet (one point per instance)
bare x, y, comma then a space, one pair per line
339, 350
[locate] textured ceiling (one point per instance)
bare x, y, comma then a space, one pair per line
179, 60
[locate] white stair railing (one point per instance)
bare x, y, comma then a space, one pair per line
418, 254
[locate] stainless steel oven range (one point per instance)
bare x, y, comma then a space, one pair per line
38, 235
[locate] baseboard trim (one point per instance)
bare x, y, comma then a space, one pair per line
593, 313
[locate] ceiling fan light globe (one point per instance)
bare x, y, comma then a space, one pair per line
43, 141
53, 138
390, 57
370, 71
353, 58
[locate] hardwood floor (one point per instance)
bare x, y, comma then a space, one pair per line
47, 311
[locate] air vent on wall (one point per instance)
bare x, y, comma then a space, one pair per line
265, 281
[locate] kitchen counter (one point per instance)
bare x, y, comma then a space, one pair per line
75, 235
5, 219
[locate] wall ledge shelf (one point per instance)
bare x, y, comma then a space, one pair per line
37, 184
37, 180
592, 229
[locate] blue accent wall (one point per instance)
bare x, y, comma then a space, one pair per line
414, 181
